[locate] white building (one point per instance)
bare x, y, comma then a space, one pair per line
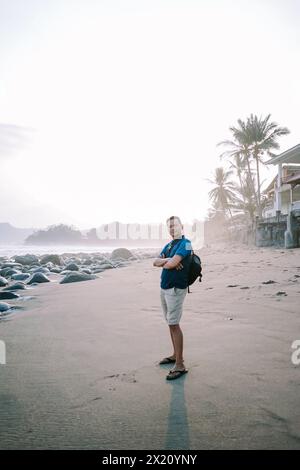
281, 215
283, 193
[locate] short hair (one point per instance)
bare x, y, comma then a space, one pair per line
173, 217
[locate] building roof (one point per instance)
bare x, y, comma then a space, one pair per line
293, 179
291, 155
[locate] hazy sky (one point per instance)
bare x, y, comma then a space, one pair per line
124, 102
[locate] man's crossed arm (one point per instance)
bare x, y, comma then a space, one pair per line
168, 263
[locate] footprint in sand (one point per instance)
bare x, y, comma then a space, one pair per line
124, 377
85, 403
151, 309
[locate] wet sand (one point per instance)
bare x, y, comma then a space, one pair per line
82, 360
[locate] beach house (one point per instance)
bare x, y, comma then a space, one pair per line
280, 222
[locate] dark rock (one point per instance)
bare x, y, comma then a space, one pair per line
72, 267
121, 253
98, 270
20, 276
9, 272
77, 277
27, 259
3, 281
4, 307
55, 270
104, 266
86, 270
12, 265
41, 269
16, 286
38, 278
55, 259
8, 295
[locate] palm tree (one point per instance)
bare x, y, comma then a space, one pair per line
238, 164
253, 139
263, 135
222, 195
239, 148
244, 200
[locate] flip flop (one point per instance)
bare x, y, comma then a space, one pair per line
167, 360
174, 374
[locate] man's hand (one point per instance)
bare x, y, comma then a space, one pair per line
160, 262
179, 267
174, 262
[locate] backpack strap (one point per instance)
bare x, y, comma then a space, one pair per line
192, 252
172, 246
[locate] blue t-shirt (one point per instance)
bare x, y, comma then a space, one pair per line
176, 277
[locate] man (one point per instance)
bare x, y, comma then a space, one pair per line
174, 259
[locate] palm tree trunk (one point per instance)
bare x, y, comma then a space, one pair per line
241, 185
258, 184
252, 182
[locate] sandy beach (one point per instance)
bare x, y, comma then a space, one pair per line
82, 360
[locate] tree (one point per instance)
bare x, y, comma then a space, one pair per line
252, 140
240, 149
244, 200
263, 136
223, 192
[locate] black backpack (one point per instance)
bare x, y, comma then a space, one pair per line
195, 267
194, 270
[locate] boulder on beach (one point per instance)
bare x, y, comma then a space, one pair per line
26, 259
9, 272
4, 307
40, 269
11, 265
16, 286
121, 253
38, 278
72, 267
104, 266
55, 270
97, 270
55, 259
77, 277
86, 270
8, 295
3, 281
20, 276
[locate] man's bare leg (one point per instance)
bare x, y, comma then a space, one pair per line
173, 356
177, 338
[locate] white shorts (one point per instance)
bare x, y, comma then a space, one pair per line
171, 302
